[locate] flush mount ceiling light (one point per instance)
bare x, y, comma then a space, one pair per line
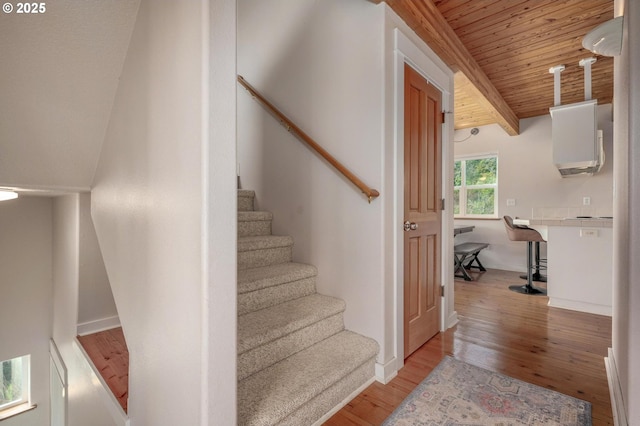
7, 195
605, 39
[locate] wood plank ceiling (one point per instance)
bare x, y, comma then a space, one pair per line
513, 43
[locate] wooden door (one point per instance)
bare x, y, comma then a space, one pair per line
422, 210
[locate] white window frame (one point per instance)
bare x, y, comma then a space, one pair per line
26, 385
463, 188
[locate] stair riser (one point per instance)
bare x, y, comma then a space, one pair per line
268, 354
253, 281
313, 410
264, 257
254, 228
245, 204
271, 296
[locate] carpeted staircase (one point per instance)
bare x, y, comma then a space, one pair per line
295, 359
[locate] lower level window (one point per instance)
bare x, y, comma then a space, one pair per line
14, 382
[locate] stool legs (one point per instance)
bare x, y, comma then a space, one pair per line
528, 288
537, 276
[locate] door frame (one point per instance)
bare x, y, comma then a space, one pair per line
436, 73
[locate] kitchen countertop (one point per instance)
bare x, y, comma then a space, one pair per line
595, 222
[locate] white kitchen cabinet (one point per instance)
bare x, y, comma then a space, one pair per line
580, 273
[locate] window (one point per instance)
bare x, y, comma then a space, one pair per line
475, 187
14, 382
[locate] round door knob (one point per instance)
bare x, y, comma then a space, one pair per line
410, 226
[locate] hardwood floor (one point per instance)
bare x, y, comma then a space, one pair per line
509, 333
108, 351
499, 330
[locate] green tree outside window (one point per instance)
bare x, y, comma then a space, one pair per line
12, 388
475, 187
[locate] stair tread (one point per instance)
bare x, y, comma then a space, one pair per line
260, 242
249, 216
264, 326
268, 276
246, 200
287, 385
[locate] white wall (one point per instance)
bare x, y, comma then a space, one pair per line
150, 201
85, 402
626, 297
527, 174
39, 257
96, 307
26, 291
321, 63
58, 77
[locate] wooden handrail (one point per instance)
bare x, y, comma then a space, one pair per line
289, 125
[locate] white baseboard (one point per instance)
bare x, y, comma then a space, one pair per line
573, 305
386, 372
505, 266
103, 324
615, 391
452, 320
344, 402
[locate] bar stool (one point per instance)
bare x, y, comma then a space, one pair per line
539, 265
523, 233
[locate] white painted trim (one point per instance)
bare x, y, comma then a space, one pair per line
58, 362
422, 63
205, 139
399, 205
218, 398
111, 403
453, 319
509, 267
344, 402
615, 391
103, 324
443, 299
574, 305
405, 51
386, 372
8, 413
57, 365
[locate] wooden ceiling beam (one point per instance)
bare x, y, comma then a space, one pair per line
427, 21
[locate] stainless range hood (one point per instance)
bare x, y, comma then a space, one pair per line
577, 142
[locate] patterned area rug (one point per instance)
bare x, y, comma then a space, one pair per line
457, 393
